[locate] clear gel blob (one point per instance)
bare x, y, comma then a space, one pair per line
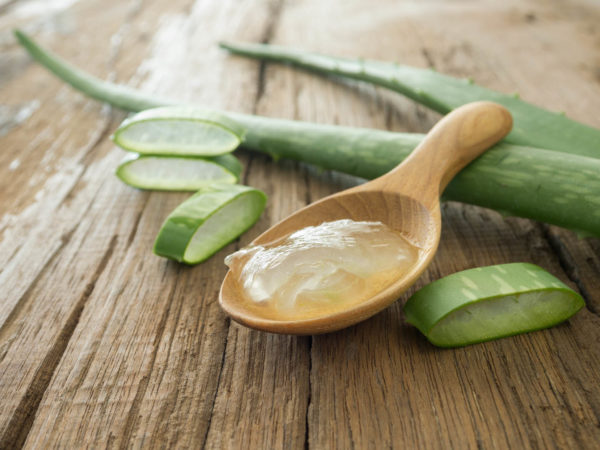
321, 269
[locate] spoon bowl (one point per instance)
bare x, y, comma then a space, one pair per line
405, 199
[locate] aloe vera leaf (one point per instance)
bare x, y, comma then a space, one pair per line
533, 126
486, 303
115, 94
548, 186
179, 130
169, 173
208, 221
539, 184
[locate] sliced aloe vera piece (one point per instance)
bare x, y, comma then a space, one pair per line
208, 221
179, 130
230, 162
170, 173
491, 302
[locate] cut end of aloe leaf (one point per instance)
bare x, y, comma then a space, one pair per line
170, 173
208, 221
179, 130
487, 303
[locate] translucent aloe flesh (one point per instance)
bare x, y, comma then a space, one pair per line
491, 302
533, 126
208, 221
179, 130
549, 186
169, 173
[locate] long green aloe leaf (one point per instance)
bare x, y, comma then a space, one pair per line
533, 126
544, 185
115, 94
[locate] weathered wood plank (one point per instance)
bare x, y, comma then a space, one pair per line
43, 226
62, 227
264, 386
103, 344
143, 363
380, 384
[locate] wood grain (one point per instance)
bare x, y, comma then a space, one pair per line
103, 344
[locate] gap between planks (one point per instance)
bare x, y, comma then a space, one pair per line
276, 9
23, 417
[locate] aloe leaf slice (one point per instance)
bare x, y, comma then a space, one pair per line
230, 162
487, 303
169, 173
179, 130
208, 221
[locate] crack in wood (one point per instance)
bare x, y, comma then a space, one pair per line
8, 328
169, 404
78, 184
138, 218
307, 195
7, 5
12, 255
427, 55
85, 361
220, 373
13, 318
251, 157
275, 14
568, 265
99, 137
309, 399
133, 416
22, 420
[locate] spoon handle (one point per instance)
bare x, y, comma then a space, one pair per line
456, 140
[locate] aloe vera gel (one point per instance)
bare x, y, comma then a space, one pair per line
322, 269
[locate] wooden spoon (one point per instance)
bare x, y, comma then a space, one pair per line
406, 199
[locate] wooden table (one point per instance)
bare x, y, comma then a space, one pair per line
103, 344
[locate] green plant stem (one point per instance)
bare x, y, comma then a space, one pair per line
548, 186
533, 126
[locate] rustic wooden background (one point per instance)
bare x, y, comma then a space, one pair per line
103, 344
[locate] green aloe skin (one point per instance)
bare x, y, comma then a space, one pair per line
533, 126
194, 231
487, 303
552, 185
